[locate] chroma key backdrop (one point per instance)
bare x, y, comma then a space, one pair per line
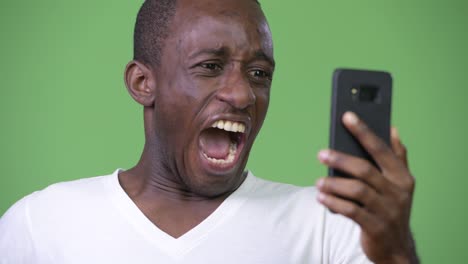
65, 113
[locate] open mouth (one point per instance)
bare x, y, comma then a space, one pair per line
222, 143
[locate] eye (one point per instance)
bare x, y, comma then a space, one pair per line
211, 66
260, 74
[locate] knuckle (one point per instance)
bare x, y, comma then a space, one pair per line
394, 216
404, 198
362, 128
409, 184
351, 211
360, 191
402, 160
379, 228
378, 147
373, 203
366, 170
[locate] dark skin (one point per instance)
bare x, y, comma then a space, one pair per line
218, 63
383, 197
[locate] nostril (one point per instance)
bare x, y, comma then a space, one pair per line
238, 97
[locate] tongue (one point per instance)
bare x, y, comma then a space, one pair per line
215, 143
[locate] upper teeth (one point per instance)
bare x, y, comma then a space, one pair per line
229, 126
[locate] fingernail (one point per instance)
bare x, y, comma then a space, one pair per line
320, 183
350, 118
324, 155
395, 132
321, 197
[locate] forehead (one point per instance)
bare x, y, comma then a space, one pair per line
239, 23
228, 8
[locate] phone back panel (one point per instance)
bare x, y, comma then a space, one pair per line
366, 93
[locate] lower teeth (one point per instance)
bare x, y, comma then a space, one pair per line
229, 159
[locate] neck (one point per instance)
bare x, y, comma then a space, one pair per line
161, 194
164, 201
155, 176
150, 179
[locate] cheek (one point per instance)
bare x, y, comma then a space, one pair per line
178, 104
262, 103
171, 108
175, 96
183, 89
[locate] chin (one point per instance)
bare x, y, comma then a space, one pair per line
209, 184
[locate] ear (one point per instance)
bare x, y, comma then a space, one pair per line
140, 83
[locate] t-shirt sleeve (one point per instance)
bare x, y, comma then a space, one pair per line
16, 244
342, 240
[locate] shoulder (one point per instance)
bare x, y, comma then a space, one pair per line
26, 227
63, 193
60, 198
16, 242
80, 187
59, 203
70, 196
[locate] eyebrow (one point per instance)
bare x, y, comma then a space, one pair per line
213, 51
220, 52
260, 55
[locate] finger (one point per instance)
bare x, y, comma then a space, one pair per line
375, 146
351, 189
398, 148
400, 151
367, 221
357, 167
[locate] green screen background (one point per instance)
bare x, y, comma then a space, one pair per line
65, 113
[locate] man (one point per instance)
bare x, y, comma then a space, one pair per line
202, 71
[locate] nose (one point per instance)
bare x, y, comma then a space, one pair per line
236, 91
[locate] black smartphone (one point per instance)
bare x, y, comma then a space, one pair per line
369, 95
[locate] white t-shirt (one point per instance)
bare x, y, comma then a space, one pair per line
94, 221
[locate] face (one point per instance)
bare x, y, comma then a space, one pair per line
212, 93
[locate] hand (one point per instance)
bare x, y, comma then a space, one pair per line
379, 201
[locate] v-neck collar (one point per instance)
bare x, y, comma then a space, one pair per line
176, 247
